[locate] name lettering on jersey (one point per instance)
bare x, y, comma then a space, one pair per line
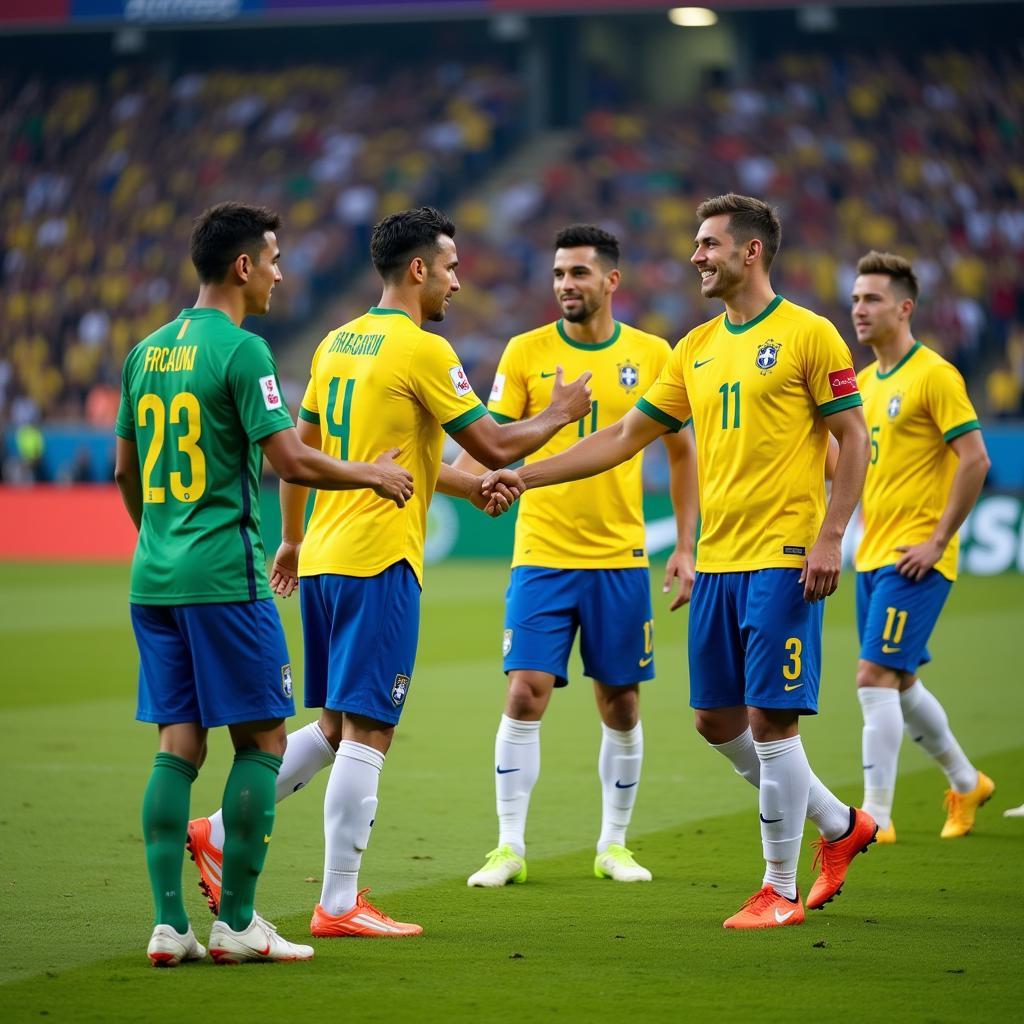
498, 387
895, 404
352, 343
629, 375
268, 388
460, 381
169, 360
767, 356
842, 382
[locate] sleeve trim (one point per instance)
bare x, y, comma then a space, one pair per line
500, 417
125, 433
309, 417
657, 414
965, 428
463, 421
840, 404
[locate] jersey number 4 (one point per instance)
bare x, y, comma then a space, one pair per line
153, 412
337, 426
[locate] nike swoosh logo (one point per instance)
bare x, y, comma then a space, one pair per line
868, 766
264, 952
783, 918
628, 785
769, 821
886, 649
644, 662
505, 771
546, 375
698, 363
790, 689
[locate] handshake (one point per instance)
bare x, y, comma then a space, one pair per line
496, 492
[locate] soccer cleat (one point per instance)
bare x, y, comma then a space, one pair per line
363, 921
208, 859
767, 909
962, 807
886, 836
835, 858
168, 947
1014, 812
259, 942
503, 865
617, 863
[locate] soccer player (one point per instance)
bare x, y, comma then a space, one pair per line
379, 376
764, 385
928, 465
200, 398
580, 559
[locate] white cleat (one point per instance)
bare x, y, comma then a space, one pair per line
1014, 812
617, 863
168, 947
503, 865
259, 942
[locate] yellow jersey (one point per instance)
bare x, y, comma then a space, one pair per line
585, 524
913, 411
376, 383
758, 395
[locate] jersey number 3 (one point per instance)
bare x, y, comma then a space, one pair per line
152, 411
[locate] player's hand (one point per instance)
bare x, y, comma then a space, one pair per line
679, 568
820, 574
570, 401
919, 559
284, 575
503, 489
392, 482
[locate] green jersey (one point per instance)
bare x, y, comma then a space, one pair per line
196, 396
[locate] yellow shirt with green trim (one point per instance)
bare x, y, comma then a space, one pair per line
913, 411
585, 524
758, 395
376, 383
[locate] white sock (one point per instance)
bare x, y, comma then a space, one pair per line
785, 783
307, 752
618, 766
928, 726
517, 768
350, 806
824, 808
880, 748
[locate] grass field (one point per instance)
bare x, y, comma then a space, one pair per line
926, 930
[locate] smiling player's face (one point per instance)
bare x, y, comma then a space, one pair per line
264, 276
441, 283
581, 281
718, 258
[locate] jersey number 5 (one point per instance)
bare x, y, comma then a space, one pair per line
151, 408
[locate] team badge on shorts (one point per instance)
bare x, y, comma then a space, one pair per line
399, 689
629, 375
894, 406
506, 642
286, 680
768, 355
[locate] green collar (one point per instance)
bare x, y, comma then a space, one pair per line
767, 311
382, 311
889, 373
590, 348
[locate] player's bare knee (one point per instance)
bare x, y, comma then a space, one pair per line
770, 724
528, 695
619, 706
871, 674
332, 724
720, 725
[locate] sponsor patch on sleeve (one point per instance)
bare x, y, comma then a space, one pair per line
842, 382
460, 381
498, 387
271, 394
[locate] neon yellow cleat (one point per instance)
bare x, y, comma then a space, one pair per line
886, 836
962, 807
617, 863
503, 866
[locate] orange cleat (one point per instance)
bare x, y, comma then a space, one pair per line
767, 909
962, 807
835, 858
363, 921
208, 859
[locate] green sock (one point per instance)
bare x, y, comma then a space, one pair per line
164, 824
249, 798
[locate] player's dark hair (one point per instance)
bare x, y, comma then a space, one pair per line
223, 232
748, 218
604, 242
403, 236
897, 268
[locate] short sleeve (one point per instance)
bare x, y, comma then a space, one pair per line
441, 385
509, 395
945, 396
124, 425
254, 386
828, 370
666, 399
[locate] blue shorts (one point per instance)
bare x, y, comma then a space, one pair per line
610, 607
895, 616
216, 664
754, 640
359, 635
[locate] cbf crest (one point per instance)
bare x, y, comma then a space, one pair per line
286, 680
629, 375
399, 689
894, 406
768, 355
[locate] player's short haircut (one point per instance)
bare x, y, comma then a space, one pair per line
748, 218
401, 237
604, 242
897, 268
223, 232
